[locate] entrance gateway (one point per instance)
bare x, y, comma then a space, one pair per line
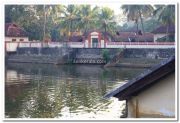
95, 40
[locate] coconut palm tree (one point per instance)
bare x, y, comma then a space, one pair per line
106, 19
166, 15
70, 18
88, 17
145, 11
47, 10
136, 12
44, 27
53, 21
132, 14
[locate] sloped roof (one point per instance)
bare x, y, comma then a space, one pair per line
77, 38
104, 34
144, 80
13, 30
163, 29
90, 31
124, 36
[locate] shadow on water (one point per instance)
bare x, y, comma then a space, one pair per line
67, 91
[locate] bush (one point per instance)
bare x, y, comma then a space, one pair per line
106, 55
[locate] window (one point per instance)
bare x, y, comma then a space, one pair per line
13, 40
21, 39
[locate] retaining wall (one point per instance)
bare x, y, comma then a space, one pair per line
149, 53
81, 55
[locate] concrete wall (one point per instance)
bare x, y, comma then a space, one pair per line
42, 55
156, 36
59, 54
92, 55
76, 44
88, 44
17, 39
140, 45
149, 53
156, 101
94, 52
11, 47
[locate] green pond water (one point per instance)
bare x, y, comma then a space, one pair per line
65, 92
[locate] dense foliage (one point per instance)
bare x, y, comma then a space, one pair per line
57, 22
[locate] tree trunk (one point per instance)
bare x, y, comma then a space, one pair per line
105, 28
86, 27
137, 29
167, 31
70, 27
44, 29
140, 15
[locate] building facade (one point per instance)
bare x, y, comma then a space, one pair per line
94, 40
151, 94
156, 102
14, 33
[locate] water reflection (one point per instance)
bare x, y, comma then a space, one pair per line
75, 91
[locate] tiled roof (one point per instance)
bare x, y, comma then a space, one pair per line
144, 80
124, 36
13, 30
78, 38
163, 29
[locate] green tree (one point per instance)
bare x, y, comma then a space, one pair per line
59, 21
131, 12
136, 12
106, 19
70, 18
26, 17
88, 17
166, 15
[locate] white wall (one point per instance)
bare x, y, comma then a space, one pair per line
55, 44
76, 44
86, 44
11, 47
102, 43
24, 44
35, 44
140, 46
17, 39
156, 101
156, 36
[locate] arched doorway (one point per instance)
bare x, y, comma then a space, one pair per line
94, 40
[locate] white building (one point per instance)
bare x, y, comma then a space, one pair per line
14, 33
151, 94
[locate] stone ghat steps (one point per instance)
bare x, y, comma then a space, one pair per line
89, 51
89, 61
89, 56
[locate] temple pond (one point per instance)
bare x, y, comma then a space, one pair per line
63, 92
